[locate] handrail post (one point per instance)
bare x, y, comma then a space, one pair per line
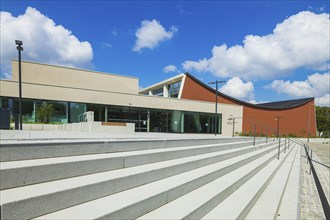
284, 145
310, 165
254, 138
279, 146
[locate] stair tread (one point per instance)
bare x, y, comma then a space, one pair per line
126, 198
267, 205
290, 201
182, 207
230, 208
25, 192
71, 159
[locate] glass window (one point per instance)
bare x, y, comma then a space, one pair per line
77, 111
158, 92
174, 89
28, 114
138, 116
60, 114
4, 102
99, 111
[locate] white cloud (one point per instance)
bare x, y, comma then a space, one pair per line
316, 85
323, 100
150, 34
257, 102
235, 87
300, 41
43, 41
170, 68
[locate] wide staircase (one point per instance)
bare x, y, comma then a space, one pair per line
150, 179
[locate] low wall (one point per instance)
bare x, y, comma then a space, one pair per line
41, 127
123, 128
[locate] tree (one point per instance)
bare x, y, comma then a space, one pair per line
44, 112
323, 120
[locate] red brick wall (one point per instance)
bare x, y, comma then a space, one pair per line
292, 121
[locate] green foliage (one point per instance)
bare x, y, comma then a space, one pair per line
323, 120
44, 112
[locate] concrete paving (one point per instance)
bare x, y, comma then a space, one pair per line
311, 207
322, 150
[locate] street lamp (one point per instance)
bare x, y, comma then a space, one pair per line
309, 122
216, 104
19, 48
233, 119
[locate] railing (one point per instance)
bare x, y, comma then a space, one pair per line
322, 196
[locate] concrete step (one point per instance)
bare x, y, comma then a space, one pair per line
199, 202
247, 194
289, 207
34, 200
26, 172
137, 201
44, 149
268, 204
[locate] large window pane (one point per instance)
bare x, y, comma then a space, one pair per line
60, 114
99, 111
28, 114
174, 89
77, 111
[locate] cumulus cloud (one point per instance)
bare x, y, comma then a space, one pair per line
316, 85
300, 41
150, 34
235, 87
43, 41
170, 68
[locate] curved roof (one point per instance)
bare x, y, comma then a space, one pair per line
279, 105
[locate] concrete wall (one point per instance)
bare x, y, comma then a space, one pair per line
75, 78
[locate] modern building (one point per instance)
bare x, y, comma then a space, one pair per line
292, 117
181, 104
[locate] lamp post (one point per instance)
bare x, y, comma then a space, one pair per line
309, 122
216, 104
233, 119
19, 48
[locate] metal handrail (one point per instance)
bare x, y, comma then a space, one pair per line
322, 196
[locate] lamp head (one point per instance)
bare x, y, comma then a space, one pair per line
19, 42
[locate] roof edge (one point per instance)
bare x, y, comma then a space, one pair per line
259, 106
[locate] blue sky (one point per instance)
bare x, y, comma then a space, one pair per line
265, 50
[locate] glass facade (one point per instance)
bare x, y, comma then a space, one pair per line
174, 89
145, 120
158, 92
77, 111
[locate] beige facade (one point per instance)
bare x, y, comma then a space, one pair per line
74, 78
47, 82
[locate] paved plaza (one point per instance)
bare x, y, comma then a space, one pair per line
311, 207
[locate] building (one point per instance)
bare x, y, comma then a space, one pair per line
180, 104
293, 117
